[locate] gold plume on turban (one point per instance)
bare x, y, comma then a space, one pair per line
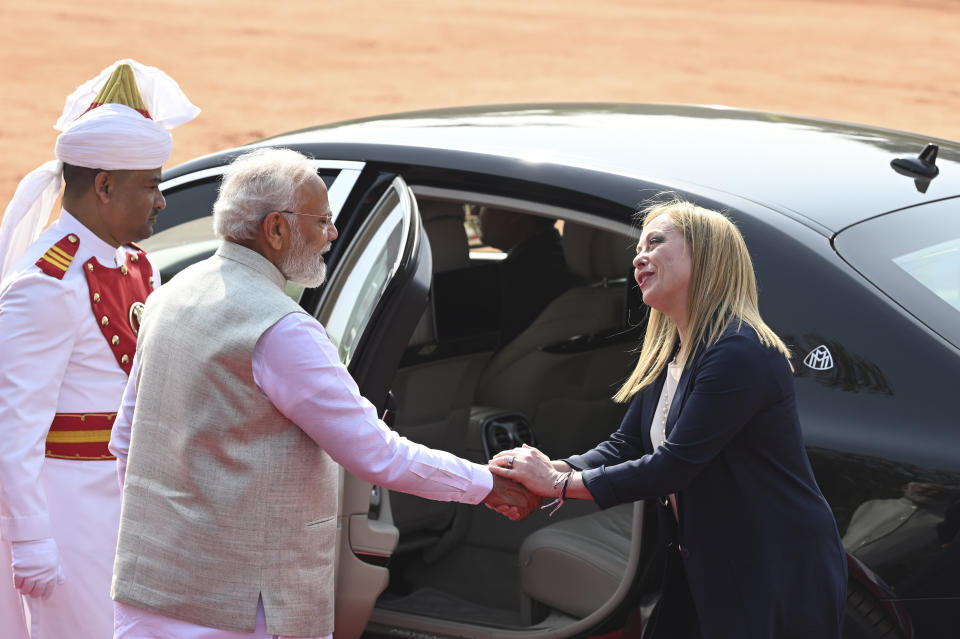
121, 88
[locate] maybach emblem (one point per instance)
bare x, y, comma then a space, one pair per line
136, 315
819, 359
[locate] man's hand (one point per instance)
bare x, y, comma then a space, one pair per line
510, 499
36, 567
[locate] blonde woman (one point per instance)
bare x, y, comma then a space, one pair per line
712, 433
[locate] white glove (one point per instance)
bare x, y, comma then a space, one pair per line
36, 567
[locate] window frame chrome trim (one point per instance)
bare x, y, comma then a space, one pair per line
337, 194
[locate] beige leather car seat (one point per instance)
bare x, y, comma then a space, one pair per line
575, 566
443, 225
443, 222
556, 372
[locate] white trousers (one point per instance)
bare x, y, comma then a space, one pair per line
12, 623
131, 622
84, 502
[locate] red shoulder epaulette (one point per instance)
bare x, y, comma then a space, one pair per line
56, 260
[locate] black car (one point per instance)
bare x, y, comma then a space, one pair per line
855, 235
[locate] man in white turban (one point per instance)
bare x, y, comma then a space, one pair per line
70, 302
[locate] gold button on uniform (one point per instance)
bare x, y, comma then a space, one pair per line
96, 297
115, 340
151, 281
134, 258
72, 238
104, 320
124, 360
123, 269
90, 267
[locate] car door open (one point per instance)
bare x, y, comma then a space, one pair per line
369, 310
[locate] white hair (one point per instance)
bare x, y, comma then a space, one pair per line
255, 184
301, 266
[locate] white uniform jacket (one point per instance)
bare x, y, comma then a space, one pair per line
57, 359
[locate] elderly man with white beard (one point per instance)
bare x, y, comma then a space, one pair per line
237, 413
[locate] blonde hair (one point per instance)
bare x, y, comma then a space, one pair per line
723, 289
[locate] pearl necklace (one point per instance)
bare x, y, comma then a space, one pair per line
666, 401
666, 409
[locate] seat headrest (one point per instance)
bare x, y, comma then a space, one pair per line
443, 222
594, 253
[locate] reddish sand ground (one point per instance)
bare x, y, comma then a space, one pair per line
257, 68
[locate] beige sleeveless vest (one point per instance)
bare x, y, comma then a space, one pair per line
225, 500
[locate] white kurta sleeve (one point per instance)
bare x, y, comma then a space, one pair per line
38, 335
120, 434
296, 366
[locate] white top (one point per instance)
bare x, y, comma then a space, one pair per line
659, 423
55, 360
318, 394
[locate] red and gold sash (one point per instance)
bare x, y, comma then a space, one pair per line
117, 296
80, 436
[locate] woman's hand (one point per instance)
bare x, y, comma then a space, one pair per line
530, 467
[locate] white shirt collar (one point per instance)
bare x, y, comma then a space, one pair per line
105, 254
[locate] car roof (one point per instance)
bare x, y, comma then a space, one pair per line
832, 174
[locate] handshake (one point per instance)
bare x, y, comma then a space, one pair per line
522, 477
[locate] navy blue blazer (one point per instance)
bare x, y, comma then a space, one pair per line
760, 546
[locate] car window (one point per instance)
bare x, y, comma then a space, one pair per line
913, 255
188, 202
479, 249
365, 271
192, 196
184, 232
937, 268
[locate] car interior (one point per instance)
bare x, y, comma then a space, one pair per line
461, 389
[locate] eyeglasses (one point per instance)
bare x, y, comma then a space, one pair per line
326, 218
